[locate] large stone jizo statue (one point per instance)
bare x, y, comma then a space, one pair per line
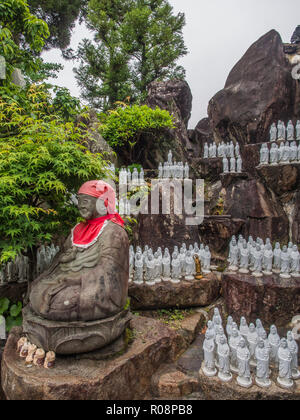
77, 305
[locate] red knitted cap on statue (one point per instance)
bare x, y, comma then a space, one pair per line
102, 190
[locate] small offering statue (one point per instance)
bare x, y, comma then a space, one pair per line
139, 269
263, 363
243, 356
209, 367
223, 352
233, 344
274, 341
285, 365
252, 339
293, 347
244, 329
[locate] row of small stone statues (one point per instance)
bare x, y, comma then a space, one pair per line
18, 271
173, 169
247, 347
280, 131
135, 177
236, 165
223, 150
159, 266
34, 356
285, 153
260, 258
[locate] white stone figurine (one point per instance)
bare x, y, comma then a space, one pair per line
290, 131
244, 329
295, 262
158, 267
186, 171
280, 152
285, 264
277, 258
264, 154
223, 352
225, 165
209, 365
237, 150
229, 326
233, 255
166, 265
150, 271
274, 157
234, 341
170, 157
214, 150
135, 177
281, 130
217, 319
293, 152
239, 165
252, 340
262, 378
293, 347
274, 342
176, 269
298, 130
142, 176
258, 260
189, 266
273, 132
232, 165
160, 171
244, 259
243, 357
260, 328
206, 151
285, 158
138, 272
231, 149
211, 330
285, 359
268, 260
2, 328
206, 261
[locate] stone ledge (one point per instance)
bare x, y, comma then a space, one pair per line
270, 298
214, 389
166, 295
89, 379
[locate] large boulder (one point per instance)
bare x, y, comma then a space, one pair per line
259, 90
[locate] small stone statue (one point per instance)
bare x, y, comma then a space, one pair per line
280, 152
232, 165
206, 151
268, 260
24, 350
229, 326
30, 356
231, 149
274, 154
277, 258
176, 269
49, 360
273, 132
258, 259
225, 165
233, 255
264, 154
39, 358
217, 319
160, 171
243, 357
234, 341
209, 366
206, 261
244, 329
158, 267
139, 269
260, 328
281, 130
252, 339
186, 171
223, 352
211, 330
295, 262
293, 152
298, 130
263, 363
237, 150
285, 365
290, 131
20, 344
170, 157
293, 347
239, 164
150, 271
285, 158
244, 259
166, 262
274, 341
285, 264
135, 177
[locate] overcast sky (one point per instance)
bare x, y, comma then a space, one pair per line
217, 34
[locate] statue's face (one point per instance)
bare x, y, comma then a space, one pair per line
91, 207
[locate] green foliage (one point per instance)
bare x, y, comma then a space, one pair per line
125, 125
61, 17
22, 37
135, 43
64, 104
43, 161
12, 313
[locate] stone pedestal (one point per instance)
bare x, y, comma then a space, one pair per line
126, 376
73, 337
166, 295
272, 299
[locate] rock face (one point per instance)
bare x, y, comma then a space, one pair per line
270, 298
182, 295
258, 91
296, 36
89, 379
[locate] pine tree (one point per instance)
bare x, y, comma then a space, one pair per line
135, 43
